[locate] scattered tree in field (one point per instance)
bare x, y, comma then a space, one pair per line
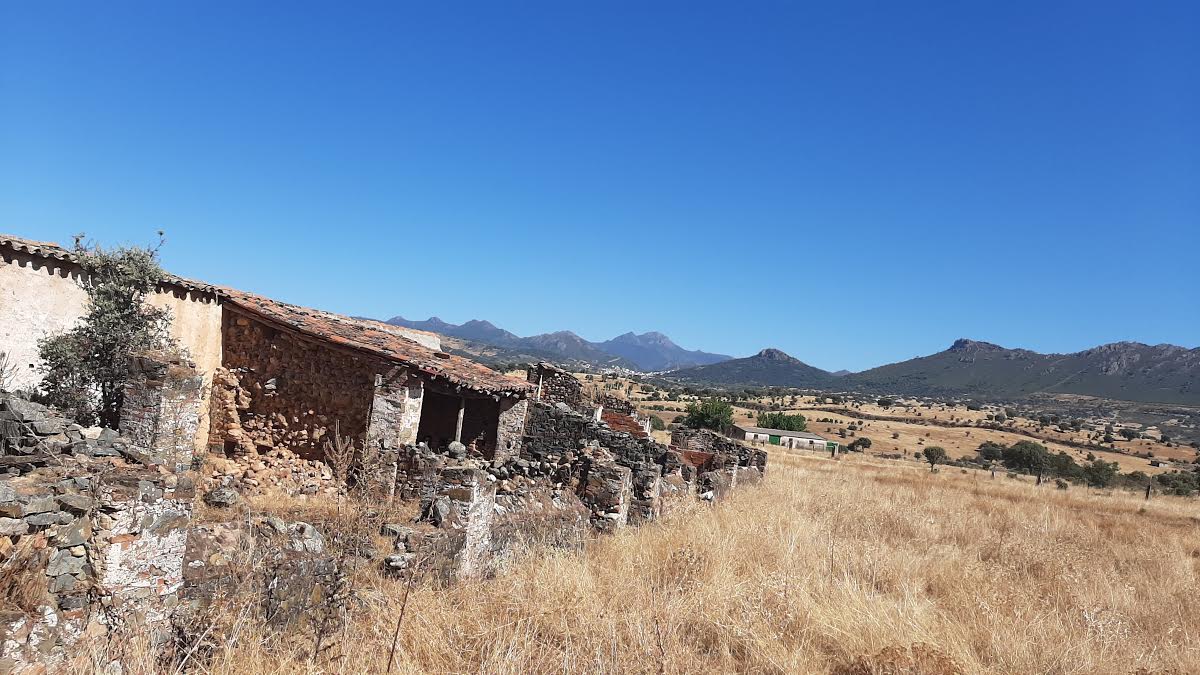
1027, 456
657, 424
886, 402
712, 414
859, 444
934, 455
990, 451
1100, 473
85, 368
1129, 434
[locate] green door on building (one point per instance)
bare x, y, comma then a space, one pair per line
774, 440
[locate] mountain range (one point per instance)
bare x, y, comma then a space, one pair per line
649, 352
1128, 371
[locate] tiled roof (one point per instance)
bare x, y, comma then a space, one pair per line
378, 339
624, 423
50, 250
696, 459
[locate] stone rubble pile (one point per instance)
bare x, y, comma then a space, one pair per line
32, 429
278, 471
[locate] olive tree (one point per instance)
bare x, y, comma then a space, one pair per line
934, 455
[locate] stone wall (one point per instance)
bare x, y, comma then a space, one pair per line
727, 463
395, 410
291, 391
555, 385
99, 536
42, 296
552, 431
511, 428
161, 407
619, 405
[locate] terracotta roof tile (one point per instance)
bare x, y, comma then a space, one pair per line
51, 250
362, 334
622, 422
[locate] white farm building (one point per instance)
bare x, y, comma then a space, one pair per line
799, 440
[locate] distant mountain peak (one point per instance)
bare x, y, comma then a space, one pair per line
772, 354
770, 367
964, 344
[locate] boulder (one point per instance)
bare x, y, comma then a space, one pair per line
222, 497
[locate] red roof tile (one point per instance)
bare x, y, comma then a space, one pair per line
622, 422
374, 337
51, 250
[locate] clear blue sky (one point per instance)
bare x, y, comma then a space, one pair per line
852, 183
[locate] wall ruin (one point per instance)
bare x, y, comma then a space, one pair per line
290, 391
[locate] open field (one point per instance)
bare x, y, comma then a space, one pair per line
848, 567
946, 425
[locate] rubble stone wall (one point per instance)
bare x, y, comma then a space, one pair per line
161, 408
395, 410
99, 533
554, 430
556, 385
511, 428
292, 391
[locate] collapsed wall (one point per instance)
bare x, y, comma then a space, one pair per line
716, 463
93, 529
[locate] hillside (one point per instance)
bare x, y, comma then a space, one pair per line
768, 368
1125, 370
646, 352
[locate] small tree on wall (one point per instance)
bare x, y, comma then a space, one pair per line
85, 368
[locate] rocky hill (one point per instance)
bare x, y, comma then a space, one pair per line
768, 368
655, 351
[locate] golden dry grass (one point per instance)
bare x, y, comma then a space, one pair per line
827, 567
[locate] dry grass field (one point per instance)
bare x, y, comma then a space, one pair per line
847, 567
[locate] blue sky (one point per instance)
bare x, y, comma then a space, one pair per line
855, 184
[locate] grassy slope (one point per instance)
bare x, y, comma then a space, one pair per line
827, 567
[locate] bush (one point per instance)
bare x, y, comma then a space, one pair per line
859, 444
657, 424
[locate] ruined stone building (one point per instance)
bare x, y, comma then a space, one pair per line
280, 375
290, 374
103, 520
